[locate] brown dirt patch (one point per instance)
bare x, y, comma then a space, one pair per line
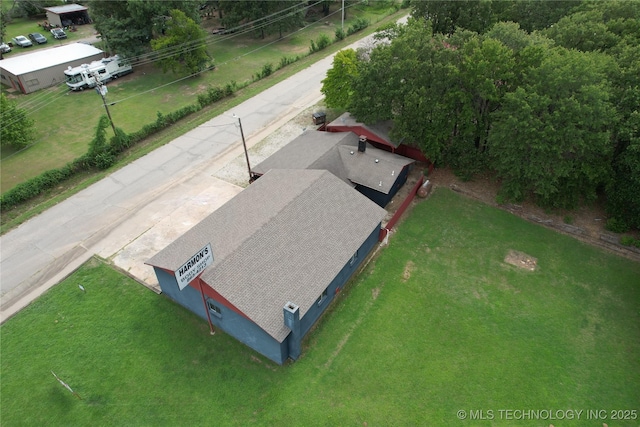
375, 292
408, 269
521, 260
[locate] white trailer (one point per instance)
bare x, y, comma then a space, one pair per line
85, 75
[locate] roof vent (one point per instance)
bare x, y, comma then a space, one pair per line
362, 143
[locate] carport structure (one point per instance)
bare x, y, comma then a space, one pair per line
69, 14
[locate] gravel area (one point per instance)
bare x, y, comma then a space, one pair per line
235, 172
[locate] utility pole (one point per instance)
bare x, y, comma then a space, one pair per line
343, 16
102, 90
246, 153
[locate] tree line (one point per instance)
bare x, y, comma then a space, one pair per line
547, 102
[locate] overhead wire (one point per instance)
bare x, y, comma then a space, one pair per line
226, 62
212, 39
33, 104
36, 103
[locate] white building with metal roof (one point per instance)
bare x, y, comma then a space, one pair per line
45, 68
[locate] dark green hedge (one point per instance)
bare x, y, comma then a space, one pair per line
102, 155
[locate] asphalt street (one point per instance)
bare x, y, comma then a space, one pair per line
133, 213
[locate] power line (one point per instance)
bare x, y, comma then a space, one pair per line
32, 107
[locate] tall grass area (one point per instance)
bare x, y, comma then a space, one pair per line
435, 324
65, 121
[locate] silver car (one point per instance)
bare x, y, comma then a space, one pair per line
22, 41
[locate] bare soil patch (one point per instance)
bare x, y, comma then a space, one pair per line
521, 260
408, 269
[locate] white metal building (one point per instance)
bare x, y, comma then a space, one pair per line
44, 68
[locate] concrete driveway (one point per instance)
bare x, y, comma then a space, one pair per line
133, 213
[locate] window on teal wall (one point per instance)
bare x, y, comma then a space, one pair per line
322, 297
214, 309
354, 258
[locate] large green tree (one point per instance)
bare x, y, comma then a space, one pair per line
337, 86
412, 82
16, 128
128, 26
553, 113
29, 8
533, 14
613, 27
486, 74
552, 137
445, 16
182, 47
263, 17
480, 15
623, 195
439, 91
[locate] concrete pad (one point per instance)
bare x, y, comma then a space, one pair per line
202, 196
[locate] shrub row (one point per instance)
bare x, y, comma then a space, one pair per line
215, 94
101, 155
41, 183
322, 42
358, 25
267, 70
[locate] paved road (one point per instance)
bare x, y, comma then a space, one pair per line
167, 191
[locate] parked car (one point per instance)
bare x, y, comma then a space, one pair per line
58, 33
4, 48
22, 41
37, 38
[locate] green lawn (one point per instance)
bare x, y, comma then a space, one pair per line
437, 323
65, 121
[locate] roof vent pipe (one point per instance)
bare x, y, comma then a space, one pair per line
362, 143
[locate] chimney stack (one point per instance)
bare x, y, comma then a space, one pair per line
362, 143
292, 321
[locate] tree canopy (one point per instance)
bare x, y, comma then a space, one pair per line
548, 104
128, 26
16, 128
265, 17
182, 46
337, 86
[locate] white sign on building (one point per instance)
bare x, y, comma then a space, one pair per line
194, 266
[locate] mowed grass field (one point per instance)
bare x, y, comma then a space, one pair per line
65, 121
435, 324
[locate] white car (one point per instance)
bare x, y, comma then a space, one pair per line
22, 41
4, 48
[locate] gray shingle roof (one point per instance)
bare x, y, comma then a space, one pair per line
338, 153
382, 129
377, 169
311, 150
284, 238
